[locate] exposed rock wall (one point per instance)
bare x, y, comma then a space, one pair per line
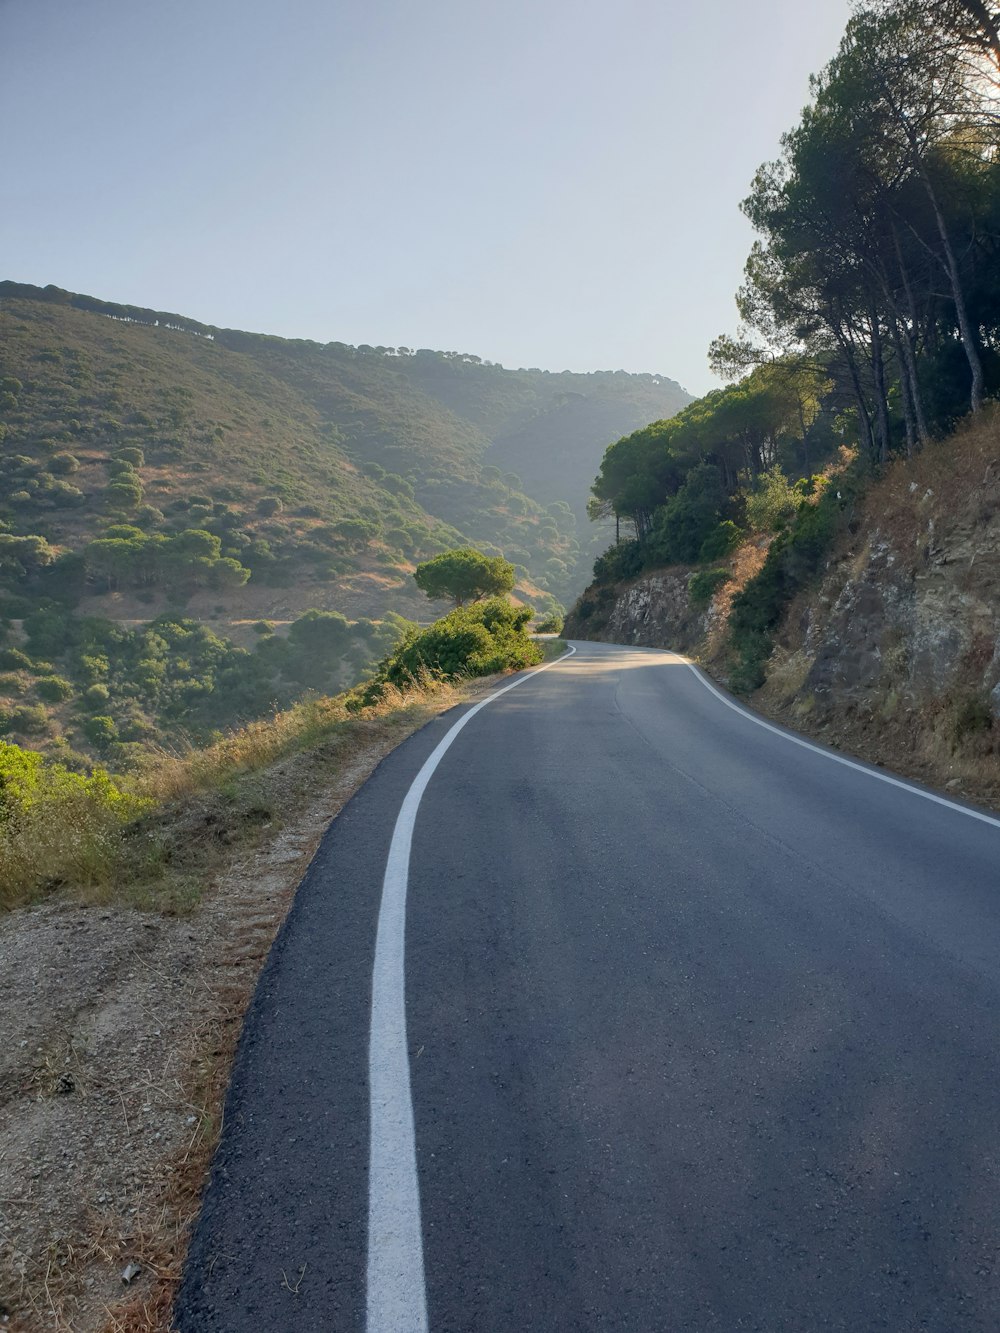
653, 611
907, 612
894, 652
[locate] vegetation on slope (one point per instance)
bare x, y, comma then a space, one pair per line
393, 440
871, 321
58, 827
177, 501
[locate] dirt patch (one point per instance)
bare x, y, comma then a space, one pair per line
117, 1033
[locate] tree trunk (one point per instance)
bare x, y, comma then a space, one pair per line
969, 341
881, 401
909, 420
864, 420
908, 346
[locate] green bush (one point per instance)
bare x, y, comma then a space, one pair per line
64, 495
794, 558
269, 505
53, 689
64, 464
56, 825
623, 561
773, 502
552, 624
683, 524
96, 696
100, 730
132, 455
25, 720
12, 659
474, 640
703, 585
723, 538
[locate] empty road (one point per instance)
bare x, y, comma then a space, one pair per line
698, 1030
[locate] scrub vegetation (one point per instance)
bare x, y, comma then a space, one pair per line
94, 833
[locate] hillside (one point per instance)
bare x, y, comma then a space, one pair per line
319, 426
876, 629
175, 498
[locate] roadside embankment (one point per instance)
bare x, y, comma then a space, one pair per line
125, 985
887, 646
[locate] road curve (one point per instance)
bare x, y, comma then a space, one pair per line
702, 1031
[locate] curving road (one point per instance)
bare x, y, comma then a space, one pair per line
702, 1028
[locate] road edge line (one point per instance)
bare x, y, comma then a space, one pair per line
396, 1294
836, 758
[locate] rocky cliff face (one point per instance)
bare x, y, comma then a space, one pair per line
894, 653
898, 649
653, 611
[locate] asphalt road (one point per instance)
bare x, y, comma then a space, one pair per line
703, 1032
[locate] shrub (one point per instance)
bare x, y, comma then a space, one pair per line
132, 455
472, 641
64, 495
262, 627
100, 730
63, 464
703, 585
682, 525
96, 696
795, 556
973, 716
27, 720
720, 541
773, 502
269, 506
53, 689
124, 494
623, 561
552, 624
56, 825
12, 659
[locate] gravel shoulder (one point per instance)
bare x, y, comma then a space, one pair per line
117, 1034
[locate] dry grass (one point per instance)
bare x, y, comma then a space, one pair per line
936, 483
746, 563
78, 843
238, 824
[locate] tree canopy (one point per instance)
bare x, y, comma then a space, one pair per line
879, 224
464, 575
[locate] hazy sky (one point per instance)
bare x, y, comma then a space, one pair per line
547, 183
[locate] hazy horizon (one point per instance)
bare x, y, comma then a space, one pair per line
555, 188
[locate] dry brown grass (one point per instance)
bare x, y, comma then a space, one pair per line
77, 843
950, 477
746, 563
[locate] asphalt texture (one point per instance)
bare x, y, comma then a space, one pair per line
703, 1032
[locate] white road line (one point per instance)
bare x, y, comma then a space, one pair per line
397, 1297
837, 758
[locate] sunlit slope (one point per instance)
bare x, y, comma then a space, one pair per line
420, 448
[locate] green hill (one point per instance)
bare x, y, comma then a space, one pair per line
317, 426
166, 483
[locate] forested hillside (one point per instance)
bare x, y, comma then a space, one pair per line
870, 327
178, 501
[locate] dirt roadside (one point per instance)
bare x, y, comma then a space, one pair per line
117, 1033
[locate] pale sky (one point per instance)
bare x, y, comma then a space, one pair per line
548, 183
